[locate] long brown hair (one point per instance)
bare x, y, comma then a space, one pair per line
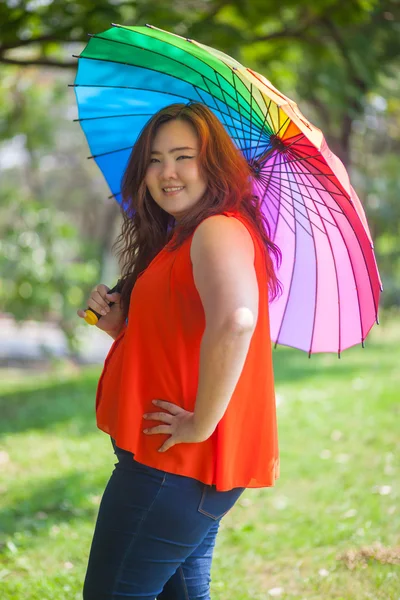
147, 228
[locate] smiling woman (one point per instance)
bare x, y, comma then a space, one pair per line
187, 390
174, 178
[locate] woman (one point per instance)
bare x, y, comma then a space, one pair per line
187, 391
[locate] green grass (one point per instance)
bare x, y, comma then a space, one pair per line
338, 492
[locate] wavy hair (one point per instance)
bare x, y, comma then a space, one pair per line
147, 228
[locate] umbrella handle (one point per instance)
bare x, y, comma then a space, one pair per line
92, 317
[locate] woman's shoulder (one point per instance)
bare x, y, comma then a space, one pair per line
222, 233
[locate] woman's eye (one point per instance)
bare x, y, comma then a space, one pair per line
156, 160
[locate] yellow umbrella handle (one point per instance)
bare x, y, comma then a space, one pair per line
92, 316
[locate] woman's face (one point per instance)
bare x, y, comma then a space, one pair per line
173, 176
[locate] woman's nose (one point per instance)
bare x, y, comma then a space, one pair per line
168, 170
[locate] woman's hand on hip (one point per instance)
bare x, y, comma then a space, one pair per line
178, 423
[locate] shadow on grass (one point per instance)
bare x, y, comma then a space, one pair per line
47, 403
294, 366
52, 502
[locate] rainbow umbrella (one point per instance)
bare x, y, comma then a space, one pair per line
330, 280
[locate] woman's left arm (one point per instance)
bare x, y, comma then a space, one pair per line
222, 254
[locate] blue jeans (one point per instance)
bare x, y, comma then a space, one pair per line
155, 535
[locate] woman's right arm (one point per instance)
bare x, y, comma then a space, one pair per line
112, 319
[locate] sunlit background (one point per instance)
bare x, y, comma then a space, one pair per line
339, 490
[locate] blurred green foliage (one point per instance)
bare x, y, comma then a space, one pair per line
50, 253
338, 60
43, 274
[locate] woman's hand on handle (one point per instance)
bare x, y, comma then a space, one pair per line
112, 318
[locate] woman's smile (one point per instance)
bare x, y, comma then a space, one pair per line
172, 191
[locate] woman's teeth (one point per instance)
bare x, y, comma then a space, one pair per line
172, 189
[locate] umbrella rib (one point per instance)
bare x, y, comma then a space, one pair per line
116, 150
365, 264
117, 62
281, 215
262, 203
308, 158
286, 203
316, 172
251, 123
217, 108
290, 287
110, 152
251, 115
316, 268
298, 144
98, 37
267, 135
283, 202
316, 158
293, 152
144, 90
270, 213
305, 172
283, 124
252, 98
223, 94
196, 57
267, 144
126, 148
321, 189
290, 198
294, 142
351, 264
112, 117
316, 287
267, 181
114, 195
237, 98
216, 105
354, 277
262, 130
339, 209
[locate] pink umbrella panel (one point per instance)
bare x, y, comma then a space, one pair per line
328, 273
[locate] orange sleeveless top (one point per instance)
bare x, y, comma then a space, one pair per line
157, 355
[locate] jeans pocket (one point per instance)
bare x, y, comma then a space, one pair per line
215, 504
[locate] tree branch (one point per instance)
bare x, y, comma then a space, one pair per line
39, 40
42, 62
285, 33
351, 69
290, 33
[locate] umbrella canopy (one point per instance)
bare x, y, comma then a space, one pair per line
330, 280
